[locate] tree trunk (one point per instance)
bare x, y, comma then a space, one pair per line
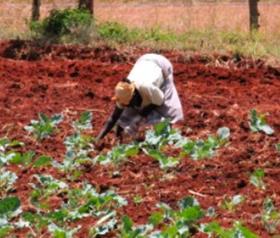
87, 4
36, 10
254, 15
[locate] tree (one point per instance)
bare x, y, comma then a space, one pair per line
254, 15
35, 10
87, 4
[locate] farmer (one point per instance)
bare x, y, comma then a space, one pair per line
147, 96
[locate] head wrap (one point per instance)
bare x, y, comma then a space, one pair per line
123, 93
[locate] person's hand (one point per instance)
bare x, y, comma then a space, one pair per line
98, 144
141, 134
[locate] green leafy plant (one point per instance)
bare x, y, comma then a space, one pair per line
84, 122
161, 135
238, 230
182, 221
44, 187
277, 146
77, 156
270, 216
24, 159
7, 157
256, 178
118, 154
78, 144
128, 230
43, 161
104, 225
7, 143
115, 31
88, 201
201, 149
35, 220
9, 205
7, 180
258, 123
9, 209
174, 223
137, 199
78, 147
63, 25
45, 126
58, 232
230, 204
79, 203
5, 231
164, 161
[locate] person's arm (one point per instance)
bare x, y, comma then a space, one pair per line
110, 123
152, 93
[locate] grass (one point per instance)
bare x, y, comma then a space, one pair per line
195, 27
256, 45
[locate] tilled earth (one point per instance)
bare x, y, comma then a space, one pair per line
215, 91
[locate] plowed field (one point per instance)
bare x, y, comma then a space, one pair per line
215, 91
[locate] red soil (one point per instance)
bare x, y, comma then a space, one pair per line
215, 91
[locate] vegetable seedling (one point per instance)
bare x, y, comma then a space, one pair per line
277, 146
270, 216
230, 204
214, 229
7, 180
256, 179
45, 126
258, 123
84, 122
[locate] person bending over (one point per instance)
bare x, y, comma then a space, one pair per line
147, 96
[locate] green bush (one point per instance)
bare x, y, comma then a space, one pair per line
158, 35
118, 32
63, 25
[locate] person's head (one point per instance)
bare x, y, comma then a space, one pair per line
124, 92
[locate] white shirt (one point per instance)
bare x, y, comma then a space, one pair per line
153, 78
147, 75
